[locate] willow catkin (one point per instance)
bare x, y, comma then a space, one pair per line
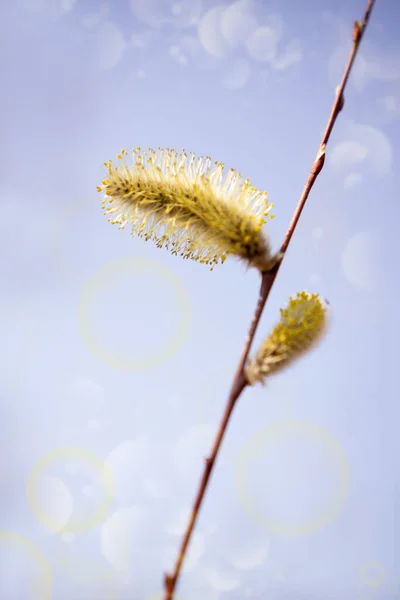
189, 206
302, 324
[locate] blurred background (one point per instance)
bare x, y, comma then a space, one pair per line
117, 357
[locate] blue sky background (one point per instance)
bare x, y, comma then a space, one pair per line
117, 349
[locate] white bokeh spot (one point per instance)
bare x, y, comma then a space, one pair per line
318, 232
362, 144
238, 21
250, 556
389, 108
292, 55
360, 260
352, 180
209, 32
110, 45
124, 462
55, 501
348, 154
236, 75
262, 44
191, 50
121, 536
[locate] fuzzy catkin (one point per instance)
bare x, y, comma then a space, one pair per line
302, 324
188, 206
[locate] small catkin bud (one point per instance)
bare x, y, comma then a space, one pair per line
189, 206
301, 326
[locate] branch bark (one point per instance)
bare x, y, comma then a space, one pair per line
267, 280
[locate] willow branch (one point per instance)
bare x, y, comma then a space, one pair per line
267, 280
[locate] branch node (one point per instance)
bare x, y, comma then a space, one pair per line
319, 161
357, 31
169, 582
341, 99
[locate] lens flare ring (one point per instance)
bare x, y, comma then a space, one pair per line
96, 464
252, 450
100, 281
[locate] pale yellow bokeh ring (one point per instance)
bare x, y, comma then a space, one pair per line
101, 280
375, 579
46, 578
251, 451
82, 569
102, 471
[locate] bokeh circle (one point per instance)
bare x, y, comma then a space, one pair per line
89, 459
118, 270
373, 574
43, 586
252, 450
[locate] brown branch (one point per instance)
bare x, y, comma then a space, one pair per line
267, 280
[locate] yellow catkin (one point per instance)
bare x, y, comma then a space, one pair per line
189, 206
301, 326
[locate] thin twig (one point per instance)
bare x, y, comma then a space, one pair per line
267, 280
